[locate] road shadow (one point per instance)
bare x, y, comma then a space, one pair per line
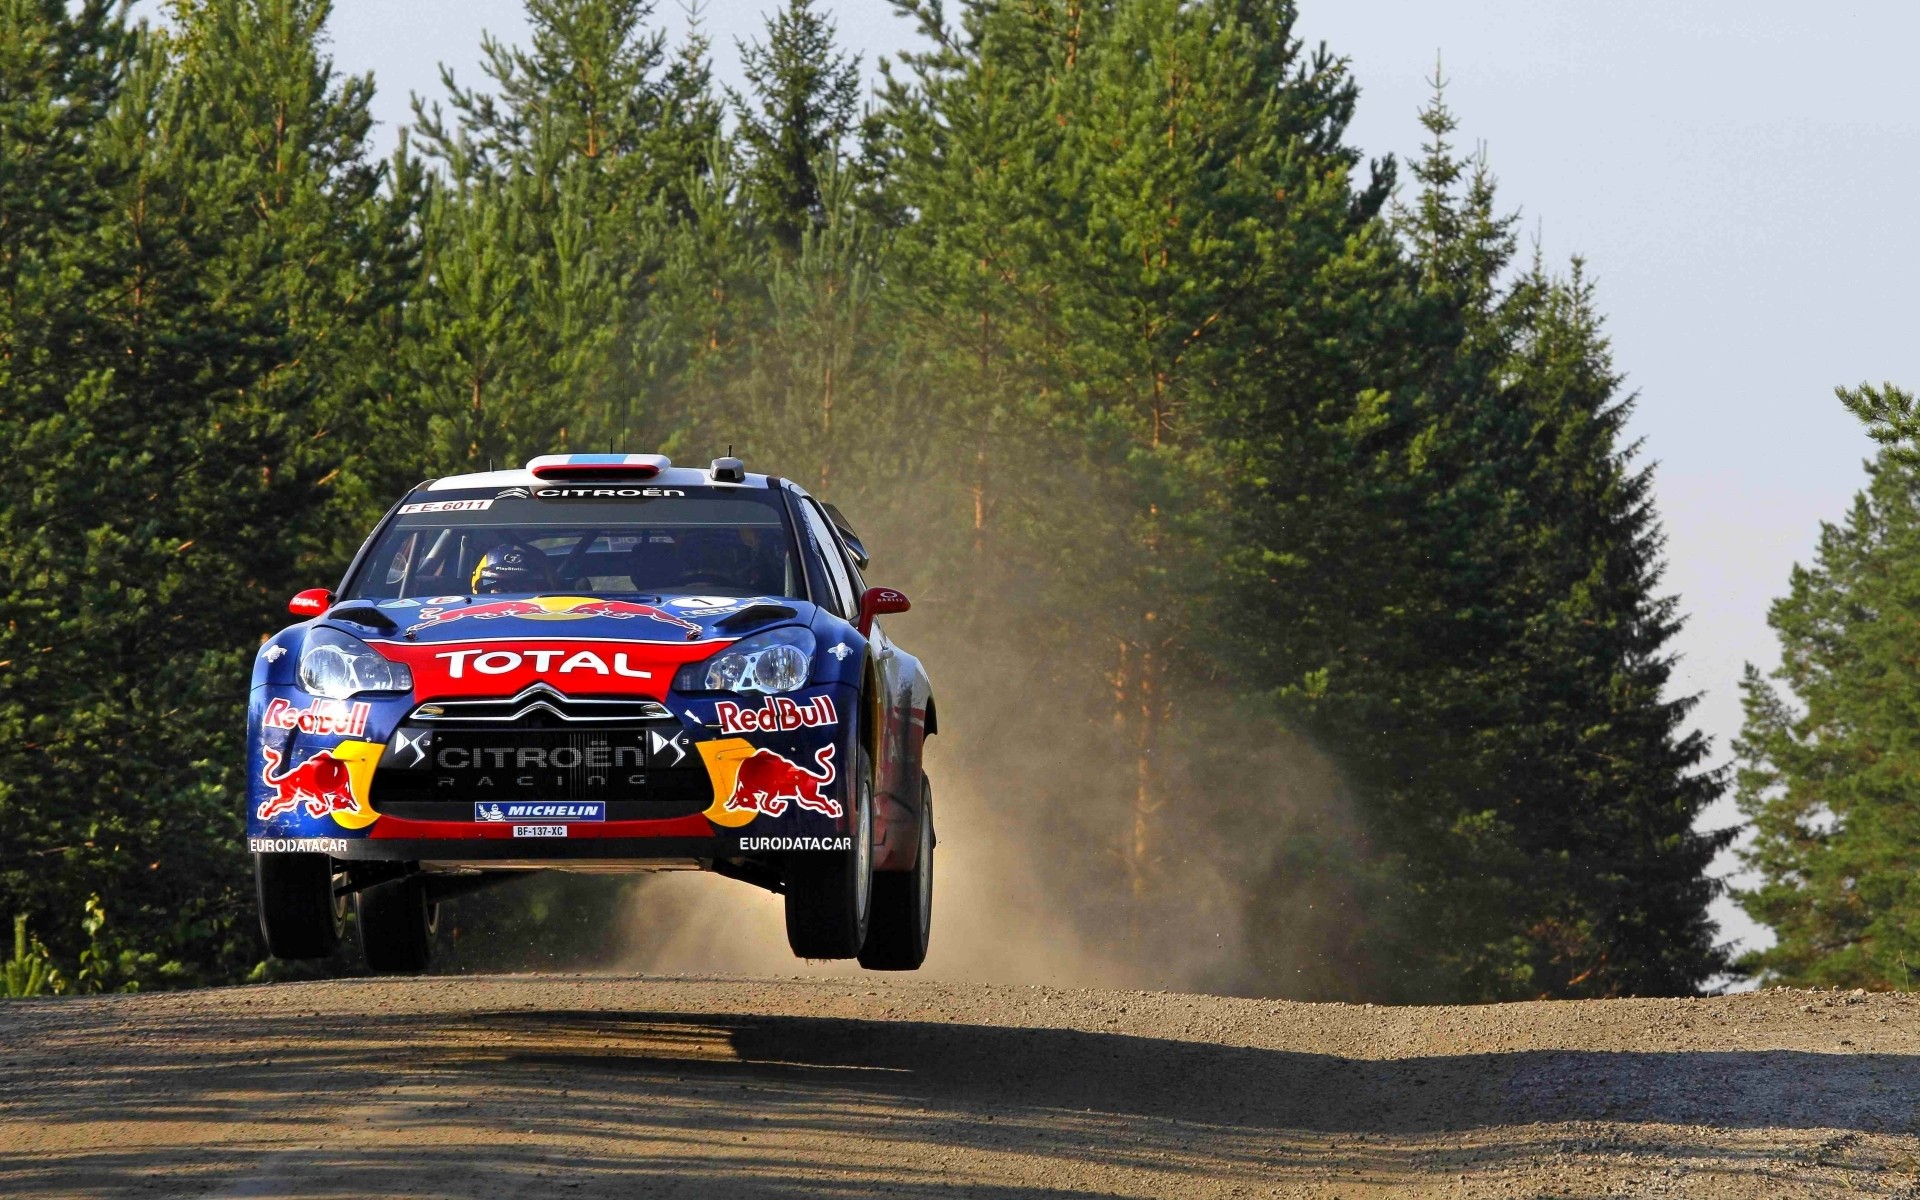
1166, 1079
642, 1099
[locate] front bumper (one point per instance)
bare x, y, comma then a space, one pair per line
352, 784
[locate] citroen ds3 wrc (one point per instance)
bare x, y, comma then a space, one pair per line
605, 663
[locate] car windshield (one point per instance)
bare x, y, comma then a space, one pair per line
583, 539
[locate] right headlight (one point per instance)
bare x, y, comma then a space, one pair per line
774, 661
338, 665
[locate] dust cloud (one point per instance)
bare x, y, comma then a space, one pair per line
1244, 887
994, 917
1240, 868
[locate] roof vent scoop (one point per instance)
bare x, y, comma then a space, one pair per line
729, 470
598, 466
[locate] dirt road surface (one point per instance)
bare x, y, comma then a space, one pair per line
586, 1086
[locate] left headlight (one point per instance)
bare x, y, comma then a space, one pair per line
774, 661
338, 665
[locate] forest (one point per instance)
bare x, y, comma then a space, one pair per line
1273, 532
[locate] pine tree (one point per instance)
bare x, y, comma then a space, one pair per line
166, 496
1536, 790
60, 73
1135, 237
1615, 781
1467, 617
805, 97
1828, 752
543, 227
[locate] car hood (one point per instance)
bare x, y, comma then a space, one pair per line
671, 619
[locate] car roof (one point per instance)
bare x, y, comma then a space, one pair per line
671, 477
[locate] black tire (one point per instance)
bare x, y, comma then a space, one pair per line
396, 926
829, 893
901, 917
300, 916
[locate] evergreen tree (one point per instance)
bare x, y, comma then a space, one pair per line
1494, 684
805, 96
1138, 223
792, 266
542, 230
1536, 789
170, 482
1829, 750
1616, 781
60, 73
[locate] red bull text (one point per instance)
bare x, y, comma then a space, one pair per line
777, 715
323, 716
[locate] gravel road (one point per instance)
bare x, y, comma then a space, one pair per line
683, 1087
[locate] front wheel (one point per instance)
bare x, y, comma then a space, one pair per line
397, 925
829, 892
300, 915
902, 918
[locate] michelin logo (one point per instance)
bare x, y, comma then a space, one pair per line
549, 810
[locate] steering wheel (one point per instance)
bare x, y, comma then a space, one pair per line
705, 579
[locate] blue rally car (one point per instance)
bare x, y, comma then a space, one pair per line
599, 663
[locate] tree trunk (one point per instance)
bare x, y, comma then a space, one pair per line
1148, 716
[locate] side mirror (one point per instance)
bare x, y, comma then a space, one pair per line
310, 603
876, 602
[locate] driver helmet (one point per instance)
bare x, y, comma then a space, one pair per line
511, 568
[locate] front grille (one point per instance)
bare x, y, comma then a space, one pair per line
540, 707
440, 772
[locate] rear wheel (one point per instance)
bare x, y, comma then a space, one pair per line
902, 918
397, 925
300, 916
829, 892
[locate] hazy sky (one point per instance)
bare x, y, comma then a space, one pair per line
1734, 173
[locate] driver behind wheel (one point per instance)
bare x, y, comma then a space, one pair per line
714, 558
652, 562
511, 567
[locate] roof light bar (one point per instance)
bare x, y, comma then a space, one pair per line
598, 466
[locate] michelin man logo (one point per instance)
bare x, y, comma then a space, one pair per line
491, 812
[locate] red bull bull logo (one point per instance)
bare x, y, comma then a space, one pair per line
321, 785
622, 610
550, 608
768, 782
